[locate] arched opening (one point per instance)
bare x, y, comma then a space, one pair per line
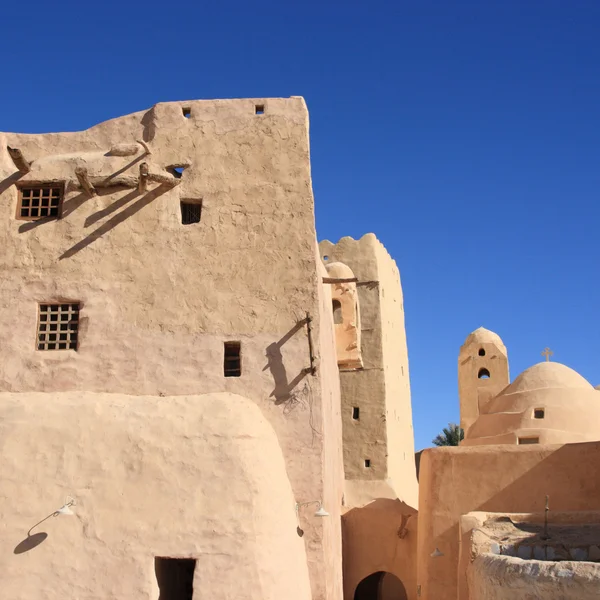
380, 586
483, 374
337, 312
481, 352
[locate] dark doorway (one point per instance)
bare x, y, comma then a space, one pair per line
175, 577
380, 586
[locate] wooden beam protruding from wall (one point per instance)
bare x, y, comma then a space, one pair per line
19, 160
84, 181
143, 182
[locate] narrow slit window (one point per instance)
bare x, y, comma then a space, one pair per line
539, 413
355, 413
191, 212
337, 312
187, 112
259, 109
367, 463
58, 326
232, 366
528, 440
175, 577
40, 201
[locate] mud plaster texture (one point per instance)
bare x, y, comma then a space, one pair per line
188, 476
159, 299
381, 389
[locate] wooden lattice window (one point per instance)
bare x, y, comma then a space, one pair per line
232, 365
39, 201
190, 212
58, 326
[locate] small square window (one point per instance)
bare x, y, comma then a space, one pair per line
39, 201
259, 109
232, 364
191, 211
539, 413
48, 338
367, 463
187, 112
528, 440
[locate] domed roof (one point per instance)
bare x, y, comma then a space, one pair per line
339, 270
484, 336
547, 375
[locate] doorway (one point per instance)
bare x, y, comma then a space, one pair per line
380, 586
175, 577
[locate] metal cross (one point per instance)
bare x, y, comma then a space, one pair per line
547, 353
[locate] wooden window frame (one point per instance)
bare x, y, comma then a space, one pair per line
59, 330
39, 185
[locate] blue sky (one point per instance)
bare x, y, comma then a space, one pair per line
464, 134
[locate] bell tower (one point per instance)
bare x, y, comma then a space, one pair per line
482, 373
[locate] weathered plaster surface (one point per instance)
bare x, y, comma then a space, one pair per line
456, 481
494, 577
160, 298
188, 476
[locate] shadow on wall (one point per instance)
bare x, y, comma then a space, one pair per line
67, 208
283, 392
30, 542
116, 220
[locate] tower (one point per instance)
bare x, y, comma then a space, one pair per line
482, 373
368, 310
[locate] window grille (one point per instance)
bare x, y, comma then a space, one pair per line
40, 201
58, 326
191, 212
232, 366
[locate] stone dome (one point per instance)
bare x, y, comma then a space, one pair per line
339, 270
484, 336
549, 403
547, 375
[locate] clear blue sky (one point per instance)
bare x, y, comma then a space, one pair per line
464, 134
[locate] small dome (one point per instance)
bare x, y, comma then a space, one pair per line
547, 375
339, 270
484, 336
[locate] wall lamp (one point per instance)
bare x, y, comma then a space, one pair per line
320, 512
65, 509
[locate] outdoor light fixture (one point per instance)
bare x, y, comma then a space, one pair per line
321, 512
65, 509
436, 553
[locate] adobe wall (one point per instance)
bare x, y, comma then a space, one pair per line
160, 298
381, 536
456, 481
181, 477
381, 389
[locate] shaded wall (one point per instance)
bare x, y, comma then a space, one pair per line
455, 481
382, 536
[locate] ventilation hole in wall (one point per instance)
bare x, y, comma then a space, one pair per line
367, 462
528, 440
259, 109
539, 413
187, 112
176, 170
481, 352
326, 257
191, 211
483, 374
337, 312
232, 362
175, 577
355, 413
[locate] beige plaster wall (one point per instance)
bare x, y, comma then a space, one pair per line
381, 536
456, 481
187, 477
381, 390
494, 577
158, 298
